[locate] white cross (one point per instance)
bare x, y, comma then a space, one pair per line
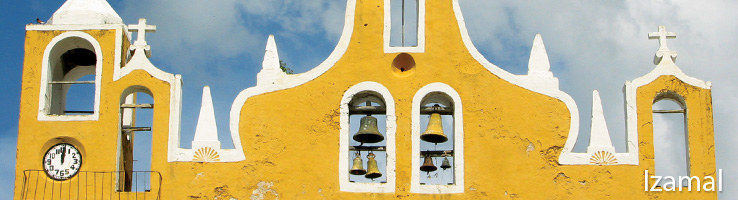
141, 28
662, 35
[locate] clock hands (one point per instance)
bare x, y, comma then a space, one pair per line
64, 153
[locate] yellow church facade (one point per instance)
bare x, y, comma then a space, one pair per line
354, 127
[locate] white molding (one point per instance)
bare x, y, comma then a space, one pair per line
420, 48
44, 93
458, 186
290, 81
391, 126
120, 30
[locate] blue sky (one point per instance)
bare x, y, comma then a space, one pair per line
591, 45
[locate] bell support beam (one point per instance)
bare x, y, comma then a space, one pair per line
440, 110
367, 148
372, 110
445, 153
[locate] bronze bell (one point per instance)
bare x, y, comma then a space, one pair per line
434, 132
358, 168
428, 165
373, 169
445, 164
368, 132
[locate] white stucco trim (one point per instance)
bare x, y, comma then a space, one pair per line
420, 48
458, 186
290, 81
530, 83
119, 56
45, 93
391, 125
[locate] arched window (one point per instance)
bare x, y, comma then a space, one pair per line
670, 137
367, 140
437, 141
135, 143
70, 81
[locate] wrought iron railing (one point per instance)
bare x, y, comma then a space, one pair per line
119, 185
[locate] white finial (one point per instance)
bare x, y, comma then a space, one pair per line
85, 12
271, 55
538, 64
662, 36
270, 72
599, 135
206, 132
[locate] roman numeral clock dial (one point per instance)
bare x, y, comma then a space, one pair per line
62, 161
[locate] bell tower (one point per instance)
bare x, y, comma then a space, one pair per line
81, 77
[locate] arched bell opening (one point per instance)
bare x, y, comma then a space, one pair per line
670, 137
367, 139
72, 71
437, 139
368, 100
135, 140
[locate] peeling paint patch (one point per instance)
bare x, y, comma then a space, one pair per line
263, 190
223, 193
552, 155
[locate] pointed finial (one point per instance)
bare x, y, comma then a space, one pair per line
538, 64
270, 71
90, 12
662, 36
599, 135
206, 132
271, 55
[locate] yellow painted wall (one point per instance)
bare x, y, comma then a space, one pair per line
291, 137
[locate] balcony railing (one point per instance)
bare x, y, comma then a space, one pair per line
119, 185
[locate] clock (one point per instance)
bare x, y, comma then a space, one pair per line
62, 161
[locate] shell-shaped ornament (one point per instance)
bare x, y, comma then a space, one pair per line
206, 154
603, 158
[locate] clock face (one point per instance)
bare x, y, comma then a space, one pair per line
62, 161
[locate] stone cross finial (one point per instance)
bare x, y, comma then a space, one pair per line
663, 51
662, 35
141, 28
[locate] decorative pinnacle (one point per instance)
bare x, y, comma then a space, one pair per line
662, 36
